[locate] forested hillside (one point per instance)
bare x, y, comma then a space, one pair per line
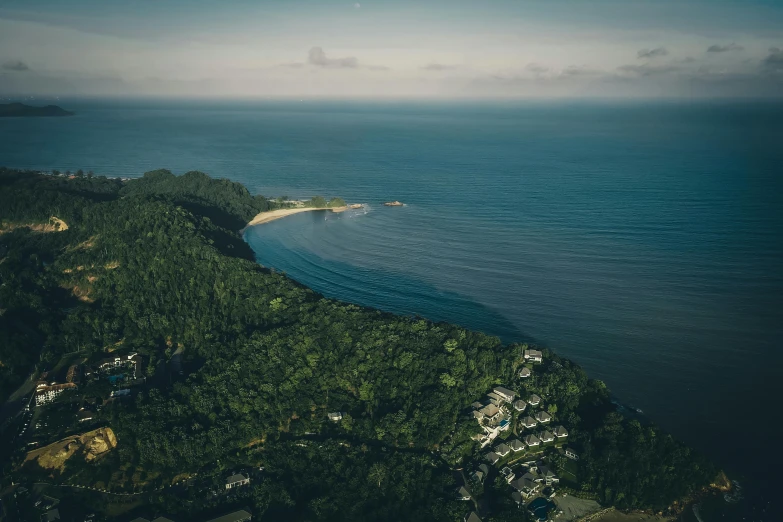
242, 365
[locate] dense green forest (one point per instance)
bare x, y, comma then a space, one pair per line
154, 266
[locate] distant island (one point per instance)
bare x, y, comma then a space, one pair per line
393, 204
20, 110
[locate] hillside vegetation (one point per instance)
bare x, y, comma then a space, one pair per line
265, 360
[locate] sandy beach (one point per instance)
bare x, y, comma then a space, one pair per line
266, 217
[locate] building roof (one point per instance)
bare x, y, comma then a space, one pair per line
484, 468
490, 410
492, 457
462, 492
472, 517
532, 440
477, 405
162, 519
561, 431
516, 445
478, 414
533, 353
495, 397
546, 435
524, 372
51, 515
534, 399
504, 391
520, 405
502, 449
529, 421
543, 416
235, 478
236, 516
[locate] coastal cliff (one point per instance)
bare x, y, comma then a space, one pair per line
20, 110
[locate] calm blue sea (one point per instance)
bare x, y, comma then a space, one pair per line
643, 240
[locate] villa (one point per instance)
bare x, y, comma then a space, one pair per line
492, 457
472, 517
508, 473
534, 356
543, 417
534, 400
532, 441
505, 393
496, 399
234, 481
529, 422
335, 416
561, 432
463, 493
548, 475
516, 445
524, 373
546, 436
47, 393
571, 454
502, 449
520, 405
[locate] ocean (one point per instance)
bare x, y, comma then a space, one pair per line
644, 240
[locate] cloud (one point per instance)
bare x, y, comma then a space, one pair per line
652, 53
438, 67
15, 65
377, 68
537, 68
580, 70
725, 48
357, 5
646, 70
773, 63
318, 57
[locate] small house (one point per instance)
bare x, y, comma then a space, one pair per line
533, 356
335, 416
516, 445
520, 405
502, 449
505, 393
546, 436
478, 476
235, 481
492, 457
529, 422
524, 373
571, 454
561, 432
543, 417
478, 415
532, 441
548, 475
463, 493
472, 517
534, 400
507, 473
477, 405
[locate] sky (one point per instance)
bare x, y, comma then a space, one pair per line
392, 49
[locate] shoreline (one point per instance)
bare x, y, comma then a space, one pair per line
273, 215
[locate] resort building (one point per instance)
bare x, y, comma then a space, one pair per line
335, 416
516, 445
546, 436
571, 454
520, 405
561, 432
532, 441
502, 449
495, 399
492, 457
47, 393
543, 417
529, 422
534, 400
463, 493
234, 481
533, 356
236, 516
524, 373
505, 393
